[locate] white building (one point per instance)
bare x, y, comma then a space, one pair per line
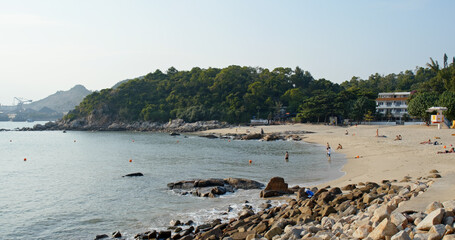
393, 104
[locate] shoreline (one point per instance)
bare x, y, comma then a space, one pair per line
368, 202
380, 158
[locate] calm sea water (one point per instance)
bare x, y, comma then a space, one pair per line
71, 185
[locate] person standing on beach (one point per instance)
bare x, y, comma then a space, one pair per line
286, 156
329, 152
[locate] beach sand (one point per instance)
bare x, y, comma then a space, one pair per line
380, 158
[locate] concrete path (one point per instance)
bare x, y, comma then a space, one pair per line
443, 189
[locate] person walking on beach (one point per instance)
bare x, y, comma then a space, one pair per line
286, 156
328, 153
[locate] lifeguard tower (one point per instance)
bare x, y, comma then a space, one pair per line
438, 118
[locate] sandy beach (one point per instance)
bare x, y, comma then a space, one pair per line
380, 158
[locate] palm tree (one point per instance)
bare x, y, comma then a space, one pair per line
434, 65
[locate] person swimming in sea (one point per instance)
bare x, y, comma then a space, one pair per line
286, 156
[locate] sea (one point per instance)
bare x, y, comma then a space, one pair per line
69, 185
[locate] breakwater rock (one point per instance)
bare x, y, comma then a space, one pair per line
174, 126
213, 187
355, 211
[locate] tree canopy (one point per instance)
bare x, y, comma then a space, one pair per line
237, 94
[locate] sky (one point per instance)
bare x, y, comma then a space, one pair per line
47, 46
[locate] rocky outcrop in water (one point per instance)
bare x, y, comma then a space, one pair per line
295, 136
213, 187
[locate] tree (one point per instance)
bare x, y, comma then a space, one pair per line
361, 107
319, 106
447, 99
434, 65
419, 103
368, 117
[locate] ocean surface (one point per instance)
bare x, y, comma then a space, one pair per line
71, 184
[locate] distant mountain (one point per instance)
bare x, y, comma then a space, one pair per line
61, 101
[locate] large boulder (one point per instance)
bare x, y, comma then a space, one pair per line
433, 206
243, 183
382, 212
437, 231
385, 229
181, 185
399, 220
431, 219
277, 184
275, 187
271, 137
252, 136
363, 231
212, 182
273, 232
268, 194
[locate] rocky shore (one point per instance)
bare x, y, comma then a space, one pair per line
289, 135
356, 211
177, 125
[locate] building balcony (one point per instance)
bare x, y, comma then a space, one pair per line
401, 106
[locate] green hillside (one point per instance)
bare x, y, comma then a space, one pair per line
237, 94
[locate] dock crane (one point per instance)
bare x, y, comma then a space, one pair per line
20, 102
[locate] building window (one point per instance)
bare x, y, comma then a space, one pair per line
389, 104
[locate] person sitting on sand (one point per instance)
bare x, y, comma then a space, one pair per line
339, 146
427, 142
398, 137
346, 133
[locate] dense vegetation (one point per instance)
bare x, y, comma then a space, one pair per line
237, 94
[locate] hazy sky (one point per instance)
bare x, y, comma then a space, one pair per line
46, 46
